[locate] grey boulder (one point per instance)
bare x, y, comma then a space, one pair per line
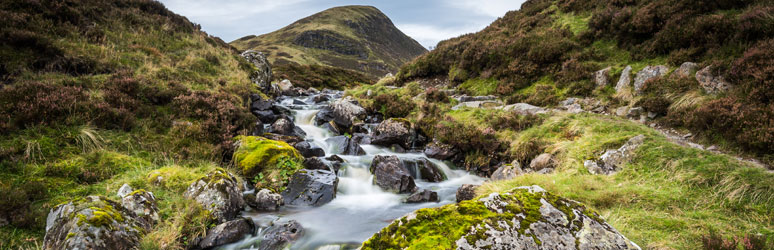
711, 83
646, 74
466, 192
227, 232
265, 200
390, 174
220, 193
393, 132
613, 160
311, 188
423, 196
281, 235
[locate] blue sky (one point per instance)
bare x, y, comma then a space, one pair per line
427, 21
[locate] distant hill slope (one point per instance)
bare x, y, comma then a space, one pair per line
548, 50
359, 38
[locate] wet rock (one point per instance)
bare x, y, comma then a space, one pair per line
265, 201
227, 232
220, 193
466, 192
625, 81
440, 151
281, 235
612, 160
507, 171
390, 174
282, 126
93, 222
536, 220
525, 109
143, 205
354, 147
257, 102
648, 73
685, 70
424, 169
308, 149
311, 188
265, 116
338, 144
344, 112
285, 85
543, 161
712, 84
321, 98
423, 196
281, 110
317, 163
331, 126
290, 139
258, 129
393, 131
262, 74
602, 77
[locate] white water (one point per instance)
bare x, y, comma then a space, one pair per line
360, 208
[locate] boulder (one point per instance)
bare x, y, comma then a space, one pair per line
261, 76
423, 196
390, 174
625, 81
285, 85
424, 169
602, 77
227, 233
93, 222
284, 126
687, 69
281, 235
265, 201
440, 151
265, 116
258, 129
307, 149
542, 161
466, 98
522, 218
317, 163
710, 83
311, 188
343, 112
321, 98
466, 192
646, 74
124, 190
289, 139
479, 104
220, 193
507, 171
525, 109
338, 144
612, 160
354, 147
393, 131
256, 156
635, 113
258, 102
143, 205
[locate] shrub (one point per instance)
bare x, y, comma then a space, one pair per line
220, 115
755, 71
514, 121
467, 138
544, 96
393, 105
655, 104
748, 125
36, 103
436, 95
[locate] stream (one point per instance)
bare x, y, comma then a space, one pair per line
360, 208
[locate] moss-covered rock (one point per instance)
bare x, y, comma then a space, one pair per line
266, 162
219, 192
524, 218
93, 222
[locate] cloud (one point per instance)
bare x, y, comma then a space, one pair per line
491, 8
207, 11
429, 35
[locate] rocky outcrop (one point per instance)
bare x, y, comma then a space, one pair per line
687, 69
440, 151
646, 74
612, 160
143, 205
311, 188
279, 236
307, 149
625, 81
261, 76
710, 83
227, 232
93, 222
423, 196
602, 77
523, 218
393, 132
525, 109
265, 201
344, 112
261, 108
390, 174
466, 192
220, 193
507, 171
543, 163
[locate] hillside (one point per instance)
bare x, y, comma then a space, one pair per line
359, 38
549, 50
96, 94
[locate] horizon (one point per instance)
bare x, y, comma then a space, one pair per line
427, 22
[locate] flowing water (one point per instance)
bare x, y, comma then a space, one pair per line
360, 208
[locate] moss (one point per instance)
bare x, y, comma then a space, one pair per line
269, 161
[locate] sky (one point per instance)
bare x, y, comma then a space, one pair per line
427, 21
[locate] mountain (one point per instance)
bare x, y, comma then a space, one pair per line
359, 38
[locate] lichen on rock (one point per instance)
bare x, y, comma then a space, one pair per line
220, 193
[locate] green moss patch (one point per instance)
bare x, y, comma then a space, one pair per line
267, 162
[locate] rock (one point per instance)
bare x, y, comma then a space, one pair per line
685, 70
523, 218
308, 149
289, 139
393, 131
466, 98
354, 147
265, 201
282, 126
343, 112
285, 85
311, 188
93, 222
648, 73
711, 84
622, 111
280, 236
338, 144
282, 110
143, 205
525, 109
602, 77
543, 161
440, 151
424, 169
331, 126
227, 232
574, 109
220, 193
125, 190
507, 171
612, 160
257, 102
466, 192
321, 98
625, 80
479, 104
423, 196
635, 113
316, 163
390, 174
262, 74
265, 116
258, 129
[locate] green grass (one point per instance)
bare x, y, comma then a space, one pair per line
479, 87
575, 23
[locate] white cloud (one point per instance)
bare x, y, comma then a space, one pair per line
207, 11
492, 8
429, 35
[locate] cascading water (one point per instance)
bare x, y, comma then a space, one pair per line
360, 208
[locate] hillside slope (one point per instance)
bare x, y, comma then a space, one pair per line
359, 38
96, 94
550, 49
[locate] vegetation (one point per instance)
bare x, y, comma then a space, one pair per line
267, 162
320, 77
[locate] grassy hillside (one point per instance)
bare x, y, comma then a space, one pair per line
96, 94
548, 50
359, 38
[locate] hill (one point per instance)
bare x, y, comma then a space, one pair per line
359, 38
